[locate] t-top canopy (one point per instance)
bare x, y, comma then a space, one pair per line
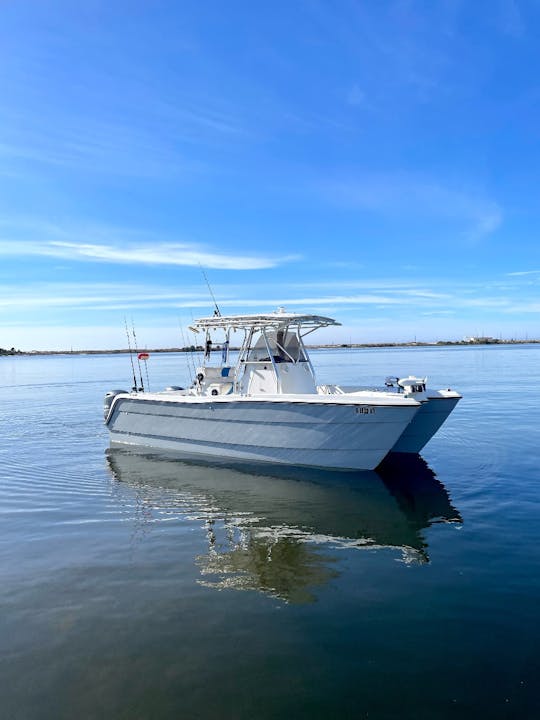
277, 319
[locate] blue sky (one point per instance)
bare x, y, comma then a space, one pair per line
377, 161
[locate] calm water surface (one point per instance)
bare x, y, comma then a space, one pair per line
135, 586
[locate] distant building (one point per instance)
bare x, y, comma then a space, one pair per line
481, 340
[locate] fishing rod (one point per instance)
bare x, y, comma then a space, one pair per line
131, 357
138, 358
196, 356
188, 354
217, 311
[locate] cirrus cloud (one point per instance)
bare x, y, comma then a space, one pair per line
164, 253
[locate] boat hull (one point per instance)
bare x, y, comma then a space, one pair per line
427, 421
342, 435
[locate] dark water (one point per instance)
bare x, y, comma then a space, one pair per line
140, 587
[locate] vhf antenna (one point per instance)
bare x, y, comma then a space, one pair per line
217, 311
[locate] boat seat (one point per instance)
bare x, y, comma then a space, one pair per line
216, 374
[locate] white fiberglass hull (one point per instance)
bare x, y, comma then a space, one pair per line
299, 430
427, 421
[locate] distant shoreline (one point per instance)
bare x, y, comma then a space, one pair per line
329, 346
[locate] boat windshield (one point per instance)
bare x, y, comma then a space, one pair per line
283, 345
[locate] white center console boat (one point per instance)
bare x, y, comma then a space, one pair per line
266, 406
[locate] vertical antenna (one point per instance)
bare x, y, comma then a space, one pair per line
131, 357
138, 358
217, 311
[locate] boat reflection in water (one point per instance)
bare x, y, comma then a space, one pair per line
274, 533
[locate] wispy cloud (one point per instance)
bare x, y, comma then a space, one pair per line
107, 297
164, 253
523, 307
414, 196
105, 147
139, 132
524, 272
98, 295
435, 313
385, 309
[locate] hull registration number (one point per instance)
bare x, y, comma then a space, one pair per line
365, 410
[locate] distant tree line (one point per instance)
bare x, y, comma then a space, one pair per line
12, 351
